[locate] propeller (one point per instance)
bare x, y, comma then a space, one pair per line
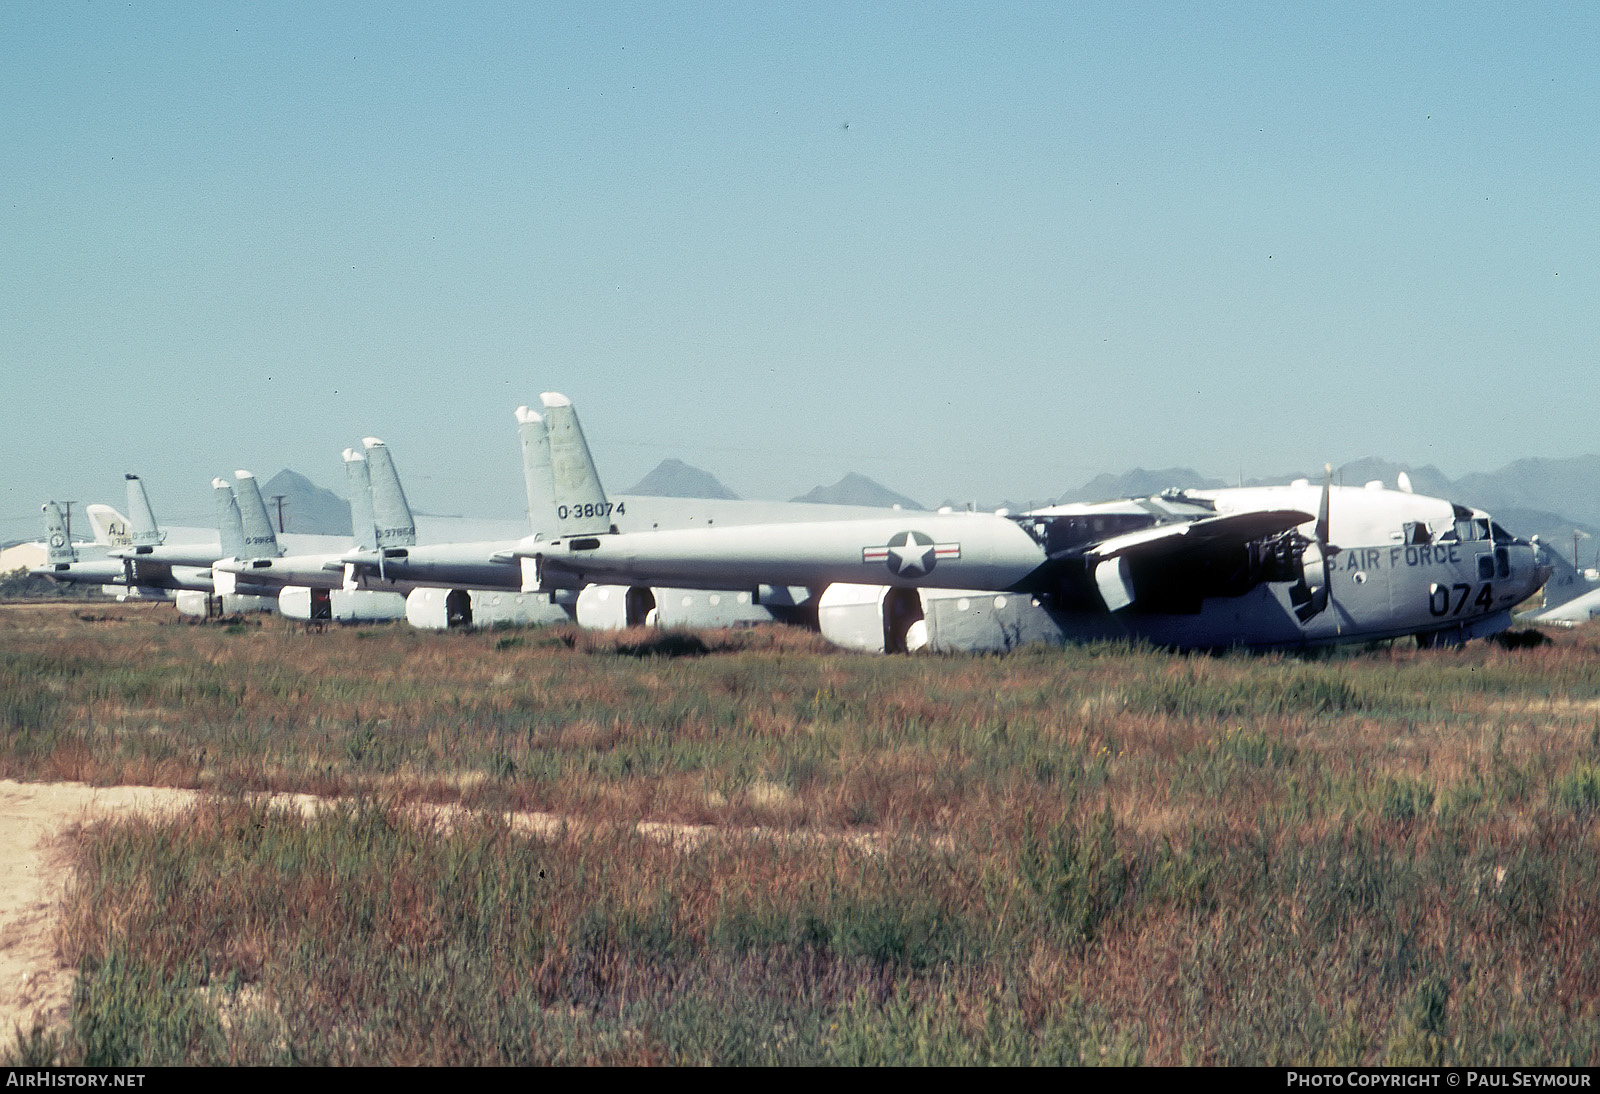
1313, 593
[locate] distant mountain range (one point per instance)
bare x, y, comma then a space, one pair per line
676, 479
856, 489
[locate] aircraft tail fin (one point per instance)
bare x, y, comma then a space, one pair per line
57, 544
580, 500
395, 525
536, 473
356, 474
143, 529
260, 541
109, 526
230, 525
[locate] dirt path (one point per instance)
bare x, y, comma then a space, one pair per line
35, 986
33, 874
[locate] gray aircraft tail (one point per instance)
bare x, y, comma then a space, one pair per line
536, 473
580, 500
142, 526
392, 515
260, 541
360, 482
230, 525
57, 544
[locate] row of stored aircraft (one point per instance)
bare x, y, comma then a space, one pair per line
1259, 567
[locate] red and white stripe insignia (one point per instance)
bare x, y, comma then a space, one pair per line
940, 551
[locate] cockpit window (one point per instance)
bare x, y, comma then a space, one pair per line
1417, 534
1469, 531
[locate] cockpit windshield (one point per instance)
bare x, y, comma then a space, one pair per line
1467, 530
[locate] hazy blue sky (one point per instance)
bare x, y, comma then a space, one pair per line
964, 249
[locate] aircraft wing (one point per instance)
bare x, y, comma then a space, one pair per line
1173, 539
1109, 559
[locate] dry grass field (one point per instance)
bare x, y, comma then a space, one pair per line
1105, 854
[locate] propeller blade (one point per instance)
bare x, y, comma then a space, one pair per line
1314, 592
1322, 510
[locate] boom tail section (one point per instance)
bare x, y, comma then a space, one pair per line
143, 529
581, 508
396, 527
58, 544
260, 541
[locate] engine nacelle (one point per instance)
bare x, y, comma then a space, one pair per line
205, 606
872, 618
615, 607
878, 618
340, 605
440, 609
978, 621
700, 608
145, 592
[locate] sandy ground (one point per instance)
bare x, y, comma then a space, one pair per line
35, 986
33, 874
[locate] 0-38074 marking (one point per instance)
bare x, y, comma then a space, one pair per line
591, 509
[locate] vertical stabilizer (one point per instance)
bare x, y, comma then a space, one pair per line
230, 526
143, 529
536, 473
581, 506
57, 546
395, 525
360, 483
260, 541
109, 526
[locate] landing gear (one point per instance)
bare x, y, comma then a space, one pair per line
904, 629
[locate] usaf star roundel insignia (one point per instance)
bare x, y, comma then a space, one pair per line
911, 554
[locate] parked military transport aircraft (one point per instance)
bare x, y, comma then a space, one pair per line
140, 561
481, 581
1263, 567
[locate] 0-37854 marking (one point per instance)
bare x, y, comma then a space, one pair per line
591, 509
